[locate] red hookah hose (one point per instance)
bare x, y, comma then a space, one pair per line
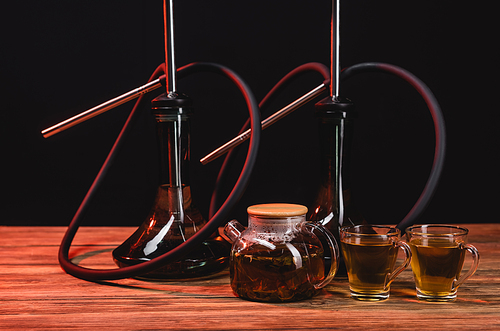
178, 252
200, 236
439, 129
429, 98
270, 96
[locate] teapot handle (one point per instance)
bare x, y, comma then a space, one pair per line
334, 250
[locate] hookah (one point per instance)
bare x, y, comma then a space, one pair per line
174, 242
153, 251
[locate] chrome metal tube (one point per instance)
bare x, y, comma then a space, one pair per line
170, 69
335, 50
265, 123
104, 107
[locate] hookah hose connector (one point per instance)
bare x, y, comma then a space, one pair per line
168, 105
336, 107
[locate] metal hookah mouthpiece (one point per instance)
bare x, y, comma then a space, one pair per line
104, 107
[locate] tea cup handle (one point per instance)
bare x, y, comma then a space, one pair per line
473, 268
404, 246
334, 251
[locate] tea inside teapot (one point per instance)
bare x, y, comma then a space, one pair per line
259, 273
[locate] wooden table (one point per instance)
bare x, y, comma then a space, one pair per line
36, 293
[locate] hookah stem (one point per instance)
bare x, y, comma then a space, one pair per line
170, 69
335, 50
175, 194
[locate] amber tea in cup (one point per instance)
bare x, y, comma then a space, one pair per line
370, 254
438, 257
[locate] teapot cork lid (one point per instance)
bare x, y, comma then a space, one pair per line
277, 210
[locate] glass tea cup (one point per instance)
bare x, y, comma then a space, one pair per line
370, 253
438, 257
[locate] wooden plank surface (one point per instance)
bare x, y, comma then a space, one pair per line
36, 293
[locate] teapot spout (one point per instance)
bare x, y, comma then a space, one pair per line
232, 230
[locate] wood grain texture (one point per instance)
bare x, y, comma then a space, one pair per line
36, 293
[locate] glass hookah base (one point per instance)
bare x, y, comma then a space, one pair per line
209, 259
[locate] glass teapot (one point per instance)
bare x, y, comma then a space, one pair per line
279, 257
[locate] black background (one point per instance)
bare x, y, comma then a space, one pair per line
59, 58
